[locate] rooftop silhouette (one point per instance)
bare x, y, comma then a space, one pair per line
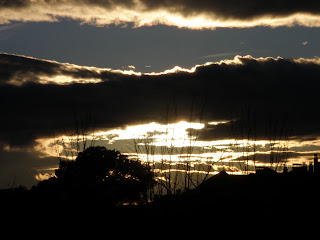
81, 187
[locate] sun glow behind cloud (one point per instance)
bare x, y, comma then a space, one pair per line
180, 137
172, 143
65, 80
140, 14
175, 69
169, 135
155, 131
175, 149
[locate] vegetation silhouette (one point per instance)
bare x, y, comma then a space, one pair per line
266, 196
99, 181
102, 175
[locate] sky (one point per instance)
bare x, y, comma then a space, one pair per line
215, 75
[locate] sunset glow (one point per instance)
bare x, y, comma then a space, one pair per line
160, 107
139, 14
173, 138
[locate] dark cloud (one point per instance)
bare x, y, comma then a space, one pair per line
262, 96
235, 9
15, 3
20, 69
277, 158
278, 91
248, 10
226, 9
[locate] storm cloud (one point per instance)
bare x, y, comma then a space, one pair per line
277, 88
181, 13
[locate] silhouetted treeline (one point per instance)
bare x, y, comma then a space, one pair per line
103, 181
99, 174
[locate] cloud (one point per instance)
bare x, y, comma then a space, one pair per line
224, 54
45, 176
7, 31
18, 70
22, 165
35, 104
233, 54
181, 13
11, 26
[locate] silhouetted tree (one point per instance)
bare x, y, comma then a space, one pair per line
102, 174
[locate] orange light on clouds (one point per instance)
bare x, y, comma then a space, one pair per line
139, 15
69, 73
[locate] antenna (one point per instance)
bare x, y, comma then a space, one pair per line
14, 182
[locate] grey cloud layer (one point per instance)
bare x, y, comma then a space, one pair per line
277, 88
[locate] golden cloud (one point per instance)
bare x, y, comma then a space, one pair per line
182, 14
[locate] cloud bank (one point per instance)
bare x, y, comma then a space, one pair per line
38, 96
181, 13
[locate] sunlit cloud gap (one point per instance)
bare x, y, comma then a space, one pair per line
174, 136
65, 80
170, 149
153, 130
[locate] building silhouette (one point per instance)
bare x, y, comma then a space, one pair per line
312, 168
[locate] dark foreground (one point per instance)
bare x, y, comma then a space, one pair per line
276, 197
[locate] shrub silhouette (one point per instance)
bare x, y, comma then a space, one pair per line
101, 174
